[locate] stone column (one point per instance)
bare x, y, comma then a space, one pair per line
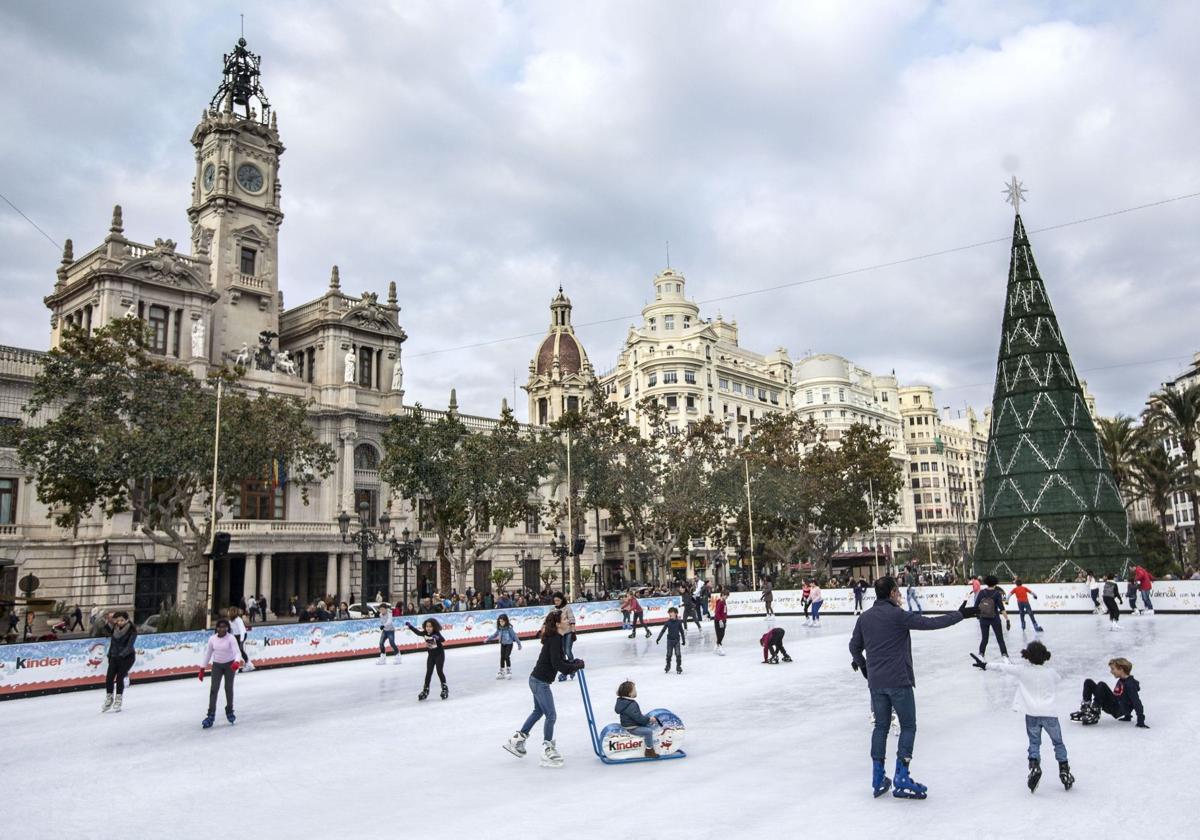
343, 563
265, 584
331, 579
348, 440
250, 585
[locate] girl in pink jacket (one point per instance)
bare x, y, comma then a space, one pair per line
222, 651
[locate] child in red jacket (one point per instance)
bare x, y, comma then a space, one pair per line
772, 645
720, 619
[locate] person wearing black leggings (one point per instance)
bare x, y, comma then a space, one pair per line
990, 602
720, 619
1112, 601
435, 654
121, 656
772, 645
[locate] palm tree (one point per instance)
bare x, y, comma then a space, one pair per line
1175, 413
1155, 477
1120, 438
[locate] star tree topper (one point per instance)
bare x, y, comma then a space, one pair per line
1014, 192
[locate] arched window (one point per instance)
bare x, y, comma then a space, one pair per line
365, 457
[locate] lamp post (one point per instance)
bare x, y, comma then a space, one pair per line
560, 549
104, 561
404, 551
364, 537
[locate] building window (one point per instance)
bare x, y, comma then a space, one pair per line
687, 321
248, 255
824, 395
158, 318
841, 394
916, 483
708, 351
762, 394
670, 377
828, 415
775, 397
808, 396
573, 404
532, 521
885, 397
672, 402
365, 457
627, 389
260, 500
691, 403
737, 387
8, 501
723, 383
425, 515
653, 325
689, 376
668, 322
652, 380
366, 364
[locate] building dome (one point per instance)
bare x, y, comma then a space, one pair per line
566, 348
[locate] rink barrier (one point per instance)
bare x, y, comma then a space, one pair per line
49, 667
1168, 596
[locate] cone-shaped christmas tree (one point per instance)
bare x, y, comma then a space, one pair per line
1049, 499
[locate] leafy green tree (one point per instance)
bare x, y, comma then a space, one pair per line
475, 484
1120, 438
1155, 476
1153, 548
1175, 413
128, 431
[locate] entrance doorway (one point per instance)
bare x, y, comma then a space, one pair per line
154, 589
426, 578
531, 570
483, 576
376, 580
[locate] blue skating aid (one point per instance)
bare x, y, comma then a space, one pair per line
617, 745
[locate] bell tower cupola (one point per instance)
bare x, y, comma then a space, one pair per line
235, 210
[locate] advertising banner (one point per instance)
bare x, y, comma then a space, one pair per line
1167, 596
47, 666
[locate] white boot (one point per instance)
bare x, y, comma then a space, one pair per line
1113, 626
508, 673
550, 756
500, 674
720, 651
382, 659
516, 744
396, 658
108, 701
248, 667
117, 703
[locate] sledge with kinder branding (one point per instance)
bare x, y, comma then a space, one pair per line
1168, 596
617, 745
54, 666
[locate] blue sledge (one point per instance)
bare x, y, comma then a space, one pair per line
617, 745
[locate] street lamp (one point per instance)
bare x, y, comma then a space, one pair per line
560, 549
405, 550
104, 562
364, 537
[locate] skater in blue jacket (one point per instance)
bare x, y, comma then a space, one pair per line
882, 634
632, 717
507, 637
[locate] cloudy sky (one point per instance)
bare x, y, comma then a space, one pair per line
481, 153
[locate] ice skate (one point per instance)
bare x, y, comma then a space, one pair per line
248, 667
880, 783
508, 673
116, 706
207, 722
550, 756
905, 787
445, 691
382, 659
720, 651
1113, 627
1005, 659
647, 634
1064, 775
787, 658
396, 660
667, 669
108, 701
516, 744
500, 674
678, 669
1035, 774
231, 717
424, 693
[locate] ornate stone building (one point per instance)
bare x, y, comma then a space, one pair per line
560, 375
220, 304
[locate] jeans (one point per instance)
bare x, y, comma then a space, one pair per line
390, 637
858, 601
816, 608
994, 624
543, 707
1146, 599
1034, 727
673, 649
883, 702
912, 599
1025, 607
646, 732
703, 602
1095, 593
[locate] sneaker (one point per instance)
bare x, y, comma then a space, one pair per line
516, 744
550, 756
108, 702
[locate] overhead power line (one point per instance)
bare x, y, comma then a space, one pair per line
831, 276
57, 247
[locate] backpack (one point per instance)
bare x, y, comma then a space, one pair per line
987, 606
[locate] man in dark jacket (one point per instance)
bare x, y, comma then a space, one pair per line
883, 634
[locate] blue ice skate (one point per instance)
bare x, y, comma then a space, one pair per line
231, 717
880, 783
905, 787
207, 722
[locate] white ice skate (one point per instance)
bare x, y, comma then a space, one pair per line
550, 756
397, 659
382, 659
248, 667
1005, 659
117, 703
500, 674
720, 651
1113, 626
508, 673
516, 744
108, 702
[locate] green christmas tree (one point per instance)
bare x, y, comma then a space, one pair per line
1049, 499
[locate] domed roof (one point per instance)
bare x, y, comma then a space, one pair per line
566, 347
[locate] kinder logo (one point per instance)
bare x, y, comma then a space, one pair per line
278, 642
617, 746
44, 662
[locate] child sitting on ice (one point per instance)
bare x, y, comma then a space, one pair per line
632, 717
1122, 701
1037, 696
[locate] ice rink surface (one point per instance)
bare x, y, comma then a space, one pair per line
345, 750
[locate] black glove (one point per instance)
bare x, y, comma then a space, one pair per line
658, 640
968, 612
862, 668
978, 663
1007, 623
578, 664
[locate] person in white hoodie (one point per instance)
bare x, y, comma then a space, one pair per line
1037, 697
387, 633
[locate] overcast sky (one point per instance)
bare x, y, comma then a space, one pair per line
479, 154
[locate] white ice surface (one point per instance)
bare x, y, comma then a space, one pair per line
345, 749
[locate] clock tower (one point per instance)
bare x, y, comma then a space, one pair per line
235, 211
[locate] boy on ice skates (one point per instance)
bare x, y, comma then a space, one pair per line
1037, 696
1122, 701
676, 638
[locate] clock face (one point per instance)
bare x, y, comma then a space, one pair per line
250, 177
210, 175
